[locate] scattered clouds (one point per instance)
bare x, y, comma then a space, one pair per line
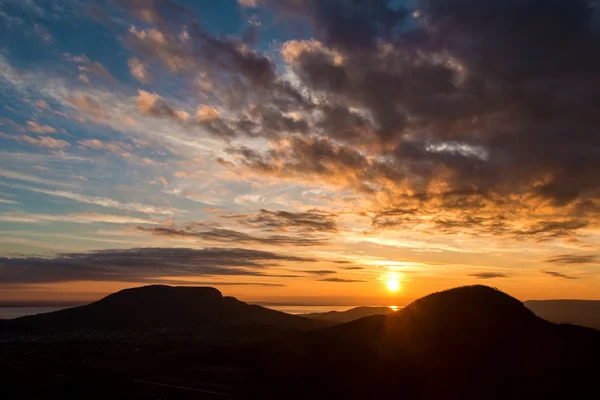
43, 141
430, 118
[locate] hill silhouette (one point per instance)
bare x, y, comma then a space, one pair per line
159, 307
468, 342
577, 312
349, 315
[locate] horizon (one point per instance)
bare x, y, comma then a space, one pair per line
285, 301
360, 152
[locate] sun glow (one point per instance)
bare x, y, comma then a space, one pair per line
393, 285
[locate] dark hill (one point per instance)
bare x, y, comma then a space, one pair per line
577, 312
340, 317
469, 342
159, 307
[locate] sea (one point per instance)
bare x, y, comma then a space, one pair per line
15, 312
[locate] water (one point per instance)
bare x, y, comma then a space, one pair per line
15, 312
307, 309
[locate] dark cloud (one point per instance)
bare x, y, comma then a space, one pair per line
221, 235
488, 275
572, 259
341, 280
559, 275
142, 265
350, 25
320, 272
546, 230
454, 105
309, 221
243, 80
354, 268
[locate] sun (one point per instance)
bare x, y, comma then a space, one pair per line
393, 285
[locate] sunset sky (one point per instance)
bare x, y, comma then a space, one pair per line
300, 150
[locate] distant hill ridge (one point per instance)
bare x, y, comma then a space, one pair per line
349, 315
159, 306
577, 312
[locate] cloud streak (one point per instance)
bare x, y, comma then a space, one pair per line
559, 275
220, 235
488, 275
142, 265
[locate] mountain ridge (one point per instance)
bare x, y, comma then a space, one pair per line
161, 306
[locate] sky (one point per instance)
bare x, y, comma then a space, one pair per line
300, 150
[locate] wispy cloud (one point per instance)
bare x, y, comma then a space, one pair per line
6, 201
23, 176
79, 218
559, 275
215, 234
109, 203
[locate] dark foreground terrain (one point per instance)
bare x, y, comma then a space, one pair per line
465, 343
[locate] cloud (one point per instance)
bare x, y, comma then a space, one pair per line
34, 127
572, 259
118, 148
79, 218
43, 141
42, 105
341, 280
43, 33
154, 105
23, 176
545, 230
220, 235
558, 275
249, 3
107, 202
141, 265
140, 71
319, 272
281, 221
424, 102
88, 66
7, 201
488, 275
207, 114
